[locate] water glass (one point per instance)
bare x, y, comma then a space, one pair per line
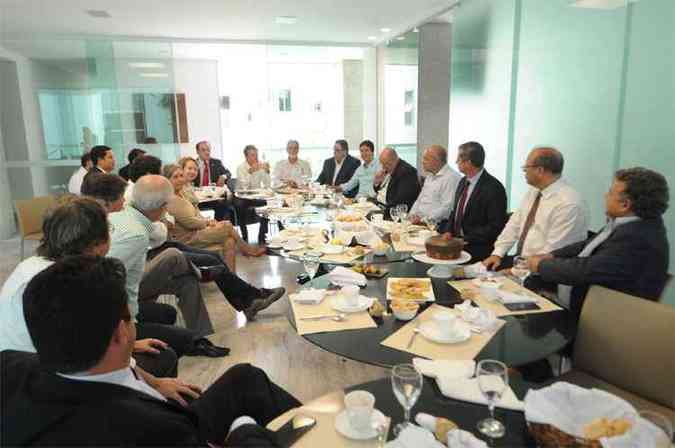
406, 381
393, 212
311, 265
520, 269
493, 379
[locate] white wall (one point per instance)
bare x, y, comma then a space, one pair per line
398, 79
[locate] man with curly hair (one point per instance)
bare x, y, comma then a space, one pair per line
630, 254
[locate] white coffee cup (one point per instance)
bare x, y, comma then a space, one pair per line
445, 322
351, 295
489, 290
359, 405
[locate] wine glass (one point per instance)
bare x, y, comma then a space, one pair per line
393, 212
311, 265
430, 222
493, 378
406, 381
520, 269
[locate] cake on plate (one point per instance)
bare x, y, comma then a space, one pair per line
443, 249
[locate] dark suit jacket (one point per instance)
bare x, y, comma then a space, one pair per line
93, 172
41, 408
349, 165
216, 169
634, 260
484, 215
124, 172
404, 187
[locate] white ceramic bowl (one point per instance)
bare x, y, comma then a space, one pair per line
404, 314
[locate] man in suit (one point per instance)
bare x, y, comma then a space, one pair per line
339, 169
210, 170
102, 160
479, 212
82, 388
133, 154
629, 255
396, 183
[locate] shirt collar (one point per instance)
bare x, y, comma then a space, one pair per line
552, 189
624, 220
141, 218
474, 179
443, 171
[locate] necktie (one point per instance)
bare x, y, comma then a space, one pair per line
528, 223
459, 216
206, 176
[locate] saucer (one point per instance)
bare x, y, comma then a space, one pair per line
332, 249
343, 427
297, 246
339, 303
430, 331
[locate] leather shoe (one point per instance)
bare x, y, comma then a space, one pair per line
204, 347
267, 297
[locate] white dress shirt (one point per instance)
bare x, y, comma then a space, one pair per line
561, 219
438, 194
75, 182
338, 167
246, 180
125, 377
285, 171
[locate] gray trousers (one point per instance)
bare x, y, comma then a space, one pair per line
171, 273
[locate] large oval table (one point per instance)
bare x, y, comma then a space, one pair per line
524, 338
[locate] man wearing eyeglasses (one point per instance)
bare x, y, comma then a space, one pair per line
552, 214
340, 168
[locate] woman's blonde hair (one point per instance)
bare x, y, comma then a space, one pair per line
168, 170
184, 160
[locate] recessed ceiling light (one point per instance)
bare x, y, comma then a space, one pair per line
601, 4
154, 75
400, 38
98, 13
372, 37
146, 65
285, 20
385, 30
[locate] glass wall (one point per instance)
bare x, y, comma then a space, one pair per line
597, 83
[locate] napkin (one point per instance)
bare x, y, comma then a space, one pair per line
485, 320
458, 438
510, 297
309, 296
343, 276
468, 390
415, 437
475, 270
449, 369
368, 238
570, 408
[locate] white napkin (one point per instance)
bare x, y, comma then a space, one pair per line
510, 297
368, 238
458, 438
309, 296
485, 320
343, 276
450, 369
415, 437
570, 408
475, 270
468, 390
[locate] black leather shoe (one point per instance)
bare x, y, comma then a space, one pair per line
267, 297
204, 347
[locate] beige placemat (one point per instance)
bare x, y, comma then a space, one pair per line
345, 257
470, 290
353, 321
432, 350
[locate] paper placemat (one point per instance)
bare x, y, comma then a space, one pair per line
464, 286
345, 257
353, 321
429, 294
432, 350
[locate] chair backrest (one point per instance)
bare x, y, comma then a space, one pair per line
31, 213
628, 342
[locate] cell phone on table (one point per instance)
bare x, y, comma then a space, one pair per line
522, 306
293, 429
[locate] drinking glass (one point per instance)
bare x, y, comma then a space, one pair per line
406, 381
393, 212
311, 265
493, 378
430, 222
520, 269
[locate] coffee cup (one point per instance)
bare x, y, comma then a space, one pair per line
359, 405
351, 295
445, 322
489, 290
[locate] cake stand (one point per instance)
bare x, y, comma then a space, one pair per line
442, 268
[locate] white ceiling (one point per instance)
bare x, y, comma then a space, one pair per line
347, 22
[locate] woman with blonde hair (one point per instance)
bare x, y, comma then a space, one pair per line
195, 230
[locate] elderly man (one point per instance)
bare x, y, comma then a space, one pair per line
552, 214
629, 255
362, 180
75, 182
252, 173
102, 159
210, 170
396, 183
438, 192
340, 168
168, 273
292, 171
479, 213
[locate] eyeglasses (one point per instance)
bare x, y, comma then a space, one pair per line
525, 167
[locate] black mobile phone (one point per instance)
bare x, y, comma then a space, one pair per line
293, 429
521, 306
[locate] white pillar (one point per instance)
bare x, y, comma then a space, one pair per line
433, 98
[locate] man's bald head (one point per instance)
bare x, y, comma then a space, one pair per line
388, 159
435, 157
150, 195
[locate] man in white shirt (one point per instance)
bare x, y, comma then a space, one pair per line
438, 192
252, 173
75, 182
551, 216
292, 171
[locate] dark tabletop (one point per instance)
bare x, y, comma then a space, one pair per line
465, 415
524, 338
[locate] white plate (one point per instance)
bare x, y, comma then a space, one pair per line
343, 427
274, 245
339, 303
430, 331
291, 247
331, 249
422, 257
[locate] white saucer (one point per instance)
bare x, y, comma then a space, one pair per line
430, 331
343, 427
293, 246
275, 246
422, 257
332, 249
339, 303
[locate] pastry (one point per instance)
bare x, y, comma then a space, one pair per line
604, 427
